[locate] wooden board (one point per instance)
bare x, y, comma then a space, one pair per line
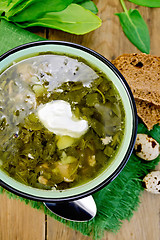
21, 222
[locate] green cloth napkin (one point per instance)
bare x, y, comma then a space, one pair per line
117, 201
12, 36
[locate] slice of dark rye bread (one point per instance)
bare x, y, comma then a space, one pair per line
148, 112
142, 73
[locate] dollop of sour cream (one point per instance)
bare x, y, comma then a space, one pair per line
57, 117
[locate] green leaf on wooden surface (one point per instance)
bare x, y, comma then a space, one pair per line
33, 9
88, 4
74, 19
135, 29
147, 3
56, 14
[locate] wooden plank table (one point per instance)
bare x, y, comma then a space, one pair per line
21, 222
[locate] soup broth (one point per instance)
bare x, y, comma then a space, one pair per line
61, 121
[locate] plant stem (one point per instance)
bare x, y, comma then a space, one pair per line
124, 6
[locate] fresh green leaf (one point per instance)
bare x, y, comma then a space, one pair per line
135, 29
19, 6
79, 1
90, 5
6, 5
33, 9
147, 3
74, 19
9, 1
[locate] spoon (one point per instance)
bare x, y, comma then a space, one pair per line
81, 210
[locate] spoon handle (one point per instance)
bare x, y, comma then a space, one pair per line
81, 210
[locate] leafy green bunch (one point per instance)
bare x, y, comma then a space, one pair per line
134, 25
76, 17
73, 16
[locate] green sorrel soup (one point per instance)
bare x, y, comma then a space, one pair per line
61, 121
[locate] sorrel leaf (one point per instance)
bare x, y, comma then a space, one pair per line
147, 3
135, 29
74, 19
9, 1
79, 1
88, 4
19, 6
33, 9
6, 5
27, 13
